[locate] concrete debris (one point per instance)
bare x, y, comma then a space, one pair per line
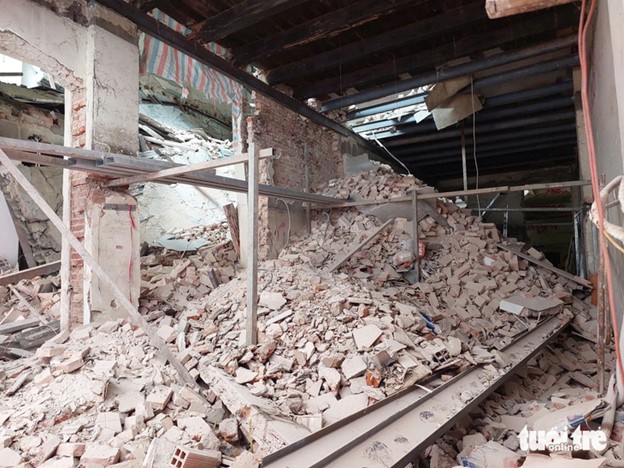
330, 344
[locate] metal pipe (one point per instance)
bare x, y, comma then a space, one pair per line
449, 142
388, 106
520, 135
506, 125
519, 96
525, 72
493, 149
531, 209
495, 101
485, 116
450, 72
515, 162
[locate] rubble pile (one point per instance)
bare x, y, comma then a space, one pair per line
556, 387
196, 262
174, 142
335, 334
332, 343
29, 312
102, 395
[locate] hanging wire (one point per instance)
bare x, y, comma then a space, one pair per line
474, 142
392, 155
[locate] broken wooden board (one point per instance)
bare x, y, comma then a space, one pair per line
565, 274
41, 270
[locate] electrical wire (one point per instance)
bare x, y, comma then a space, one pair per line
474, 142
392, 155
584, 23
613, 242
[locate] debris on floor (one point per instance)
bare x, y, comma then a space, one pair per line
330, 344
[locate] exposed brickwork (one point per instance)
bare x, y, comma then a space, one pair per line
79, 193
274, 126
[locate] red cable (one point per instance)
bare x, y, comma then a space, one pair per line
582, 44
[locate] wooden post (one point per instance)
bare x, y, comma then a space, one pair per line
415, 236
463, 152
231, 214
133, 313
252, 246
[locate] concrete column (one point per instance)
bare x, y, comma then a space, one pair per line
110, 220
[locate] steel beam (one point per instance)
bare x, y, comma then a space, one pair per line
371, 437
388, 106
450, 72
197, 51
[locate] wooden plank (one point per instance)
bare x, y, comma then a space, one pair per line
13, 327
18, 276
565, 274
161, 347
240, 16
231, 215
188, 169
502, 8
251, 329
327, 25
408, 34
360, 246
19, 381
26, 304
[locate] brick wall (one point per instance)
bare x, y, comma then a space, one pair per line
274, 126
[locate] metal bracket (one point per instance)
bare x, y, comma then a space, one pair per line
119, 207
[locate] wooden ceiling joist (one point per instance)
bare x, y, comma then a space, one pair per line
408, 34
328, 25
432, 58
239, 17
200, 53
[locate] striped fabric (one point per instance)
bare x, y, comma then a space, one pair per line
160, 59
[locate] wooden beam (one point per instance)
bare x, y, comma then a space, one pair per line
13, 327
188, 169
239, 17
334, 266
161, 347
424, 61
410, 34
200, 53
502, 8
18, 276
251, 329
327, 25
565, 274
